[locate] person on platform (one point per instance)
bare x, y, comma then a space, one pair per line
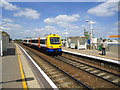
103, 48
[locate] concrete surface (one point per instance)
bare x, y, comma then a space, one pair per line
0, 72
10, 74
11, 77
108, 55
32, 81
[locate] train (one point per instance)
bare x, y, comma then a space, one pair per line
51, 44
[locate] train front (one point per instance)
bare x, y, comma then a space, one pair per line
54, 44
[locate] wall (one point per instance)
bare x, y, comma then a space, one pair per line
0, 44
4, 40
113, 47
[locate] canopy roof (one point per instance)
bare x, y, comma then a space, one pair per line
114, 36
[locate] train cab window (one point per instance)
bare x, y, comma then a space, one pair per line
55, 40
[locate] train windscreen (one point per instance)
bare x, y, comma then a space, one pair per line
55, 40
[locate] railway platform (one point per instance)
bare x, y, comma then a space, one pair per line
109, 57
16, 71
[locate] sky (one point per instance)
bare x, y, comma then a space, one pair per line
36, 19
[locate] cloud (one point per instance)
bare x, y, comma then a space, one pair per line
92, 22
67, 25
63, 20
14, 25
7, 20
47, 29
8, 6
39, 32
117, 23
10, 26
108, 8
101, 0
28, 13
116, 30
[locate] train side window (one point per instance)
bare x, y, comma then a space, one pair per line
36, 41
42, 41
32, 41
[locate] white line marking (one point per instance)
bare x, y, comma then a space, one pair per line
100, 58
45, 76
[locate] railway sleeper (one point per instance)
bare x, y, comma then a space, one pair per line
67, 83
107, 76
61, 79
100, 74
95, 71
116, 80
57, 75
50, 73
89, 69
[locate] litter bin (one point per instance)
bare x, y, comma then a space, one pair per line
100, 48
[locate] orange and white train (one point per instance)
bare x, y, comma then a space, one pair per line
51, 44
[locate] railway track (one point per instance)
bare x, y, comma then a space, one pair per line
66, 73
61, 78
101, 73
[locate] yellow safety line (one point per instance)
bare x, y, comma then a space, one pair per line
21, 71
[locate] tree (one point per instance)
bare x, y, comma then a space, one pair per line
101, 38
86, 34
18, 40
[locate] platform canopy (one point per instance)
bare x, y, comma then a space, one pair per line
114, 36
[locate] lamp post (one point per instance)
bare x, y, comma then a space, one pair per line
91, 32
66, 37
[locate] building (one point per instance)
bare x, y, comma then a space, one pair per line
114, 45
4, 40
77, 42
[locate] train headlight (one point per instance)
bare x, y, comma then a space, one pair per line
51, 46
60, 46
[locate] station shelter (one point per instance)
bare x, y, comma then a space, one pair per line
4, 40
114, 46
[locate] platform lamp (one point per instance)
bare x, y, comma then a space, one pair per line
91, 32
66, 37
